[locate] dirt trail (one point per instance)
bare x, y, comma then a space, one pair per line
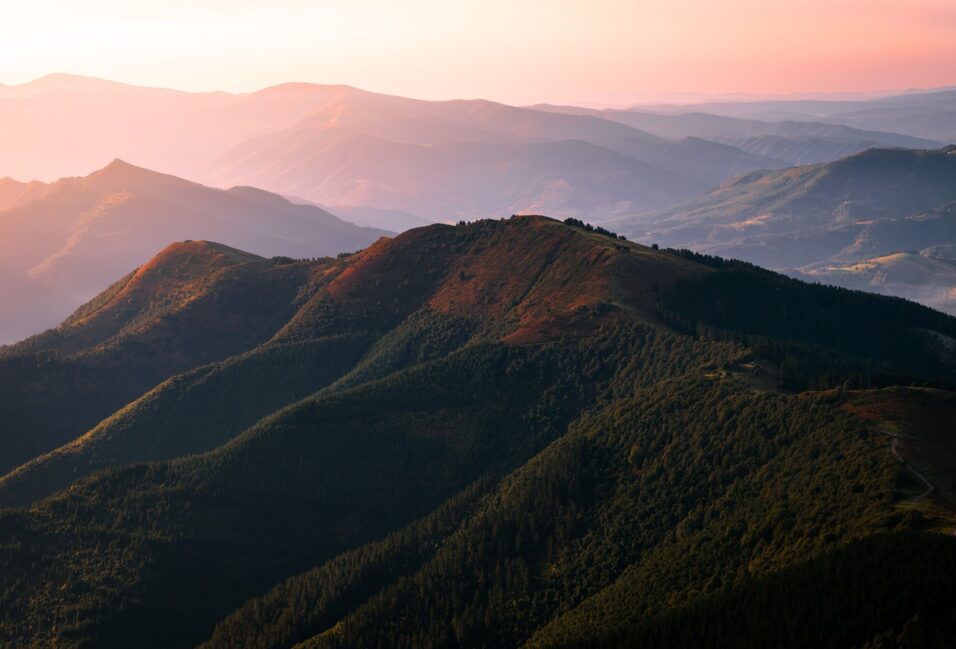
909, 467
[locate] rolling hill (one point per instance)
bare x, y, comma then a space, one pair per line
502, 433
866, 206
77, 235
192, 304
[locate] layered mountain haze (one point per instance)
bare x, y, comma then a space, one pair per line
28, 305
785, 143
77, 235
852, 214
459, 159
924, 114
383, 155
64, 125
456, 181
14, 193
534, 429
921, 276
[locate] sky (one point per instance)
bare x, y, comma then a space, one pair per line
593, 52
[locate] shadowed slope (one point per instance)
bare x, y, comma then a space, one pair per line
194, 303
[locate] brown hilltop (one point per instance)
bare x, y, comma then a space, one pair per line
524, 278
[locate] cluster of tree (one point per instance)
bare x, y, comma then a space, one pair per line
578, 223
888, 591
822, 335
360, 461
647, 503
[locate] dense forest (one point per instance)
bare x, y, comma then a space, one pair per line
503, 433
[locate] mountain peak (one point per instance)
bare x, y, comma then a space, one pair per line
65, 81
120, 174
176, 276
206, 248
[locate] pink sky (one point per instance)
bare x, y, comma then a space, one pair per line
598, 52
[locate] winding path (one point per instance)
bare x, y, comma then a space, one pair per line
929, 485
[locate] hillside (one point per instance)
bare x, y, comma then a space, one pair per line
833, 215
923, 277
492, 434
192, 304
79, 234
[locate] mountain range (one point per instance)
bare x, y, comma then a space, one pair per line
882, 220
519, 432
64, 242
787, 142
435, 160
926, 114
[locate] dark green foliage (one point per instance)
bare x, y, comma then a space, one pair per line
888, 590
191, 413
322, 595
821, 335
56, 386
578, 223
653, 489
356, 464
483, 436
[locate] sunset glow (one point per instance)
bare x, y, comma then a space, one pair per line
604, 52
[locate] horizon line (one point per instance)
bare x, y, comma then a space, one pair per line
666, 98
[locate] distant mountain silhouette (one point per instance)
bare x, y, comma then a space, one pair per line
788, 142
75, 236
851, 213
447, 159
457, 180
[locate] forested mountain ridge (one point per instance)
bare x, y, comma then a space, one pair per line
874, 184
495, 434
839, 222
459, 282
